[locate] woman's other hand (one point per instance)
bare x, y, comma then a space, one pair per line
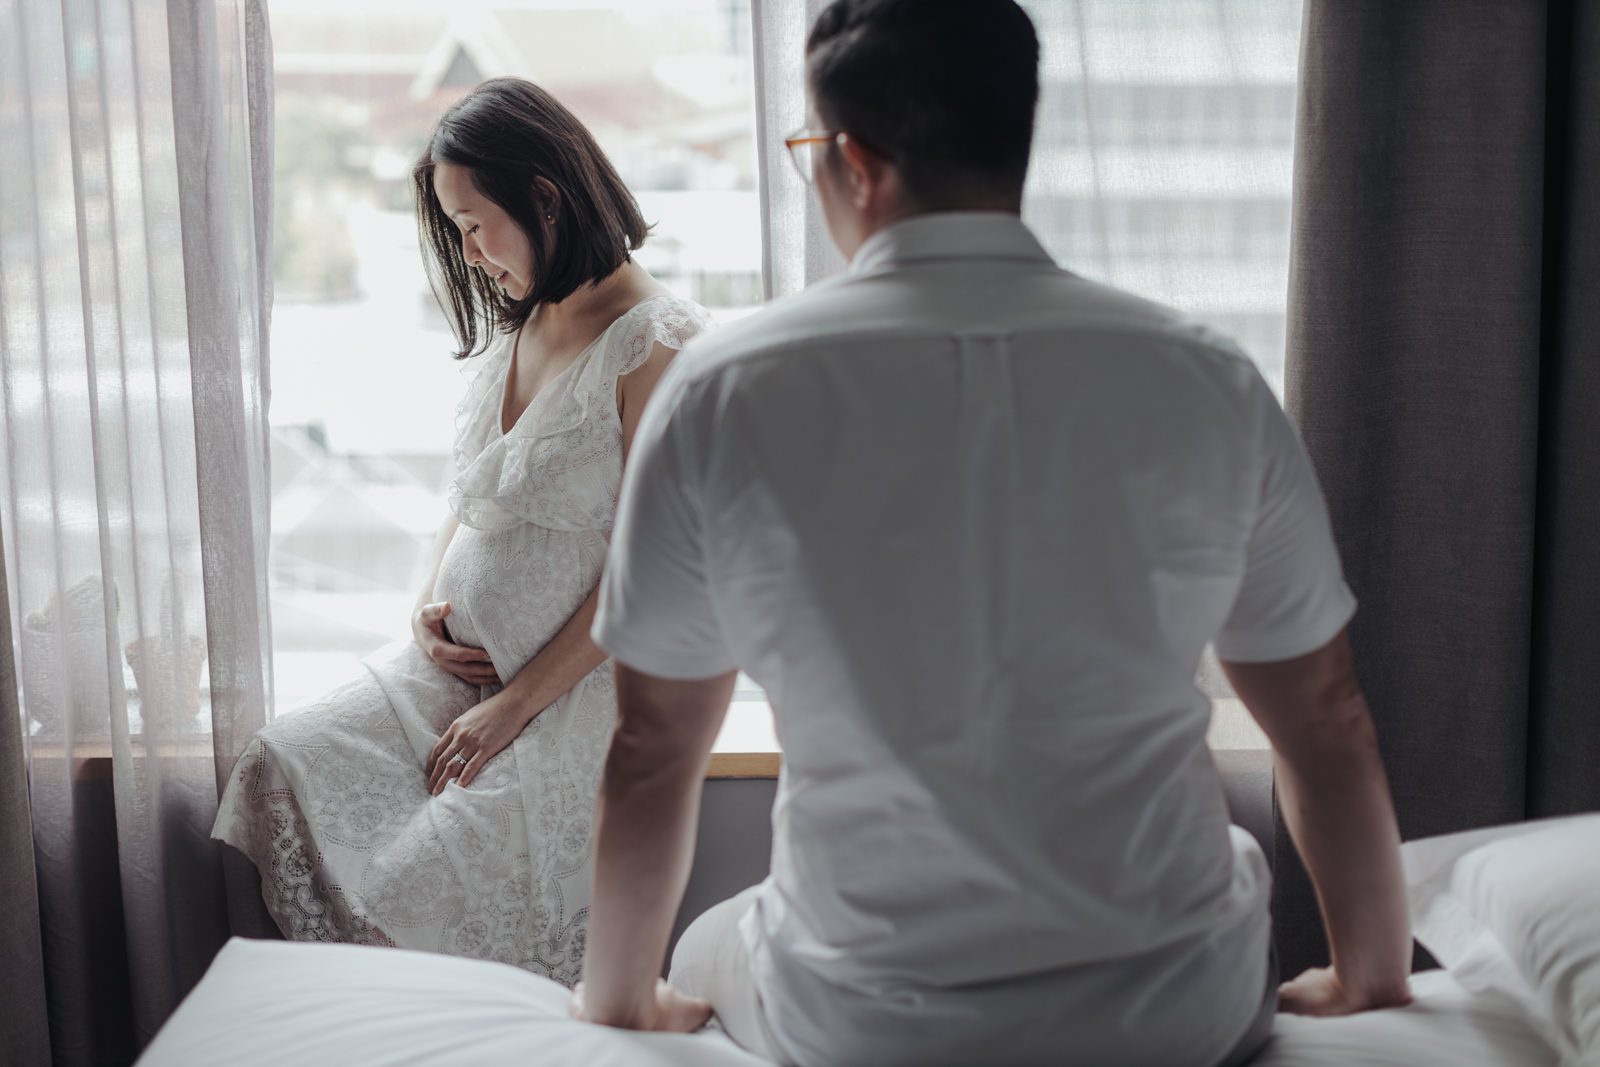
470, 664
477, 737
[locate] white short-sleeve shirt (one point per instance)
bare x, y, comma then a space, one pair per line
971, 520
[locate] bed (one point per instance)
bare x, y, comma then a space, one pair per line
1511, 911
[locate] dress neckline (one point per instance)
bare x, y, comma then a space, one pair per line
505, 380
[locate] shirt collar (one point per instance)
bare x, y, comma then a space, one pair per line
949, 235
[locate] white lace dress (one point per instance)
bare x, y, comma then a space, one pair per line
331, 802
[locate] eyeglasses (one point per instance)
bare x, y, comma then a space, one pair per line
804, 147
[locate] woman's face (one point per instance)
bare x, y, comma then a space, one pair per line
490, 240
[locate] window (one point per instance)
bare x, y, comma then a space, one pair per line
363, 384
1163, 165
1164, 154
1166, 134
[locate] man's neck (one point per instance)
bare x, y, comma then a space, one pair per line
1003, 204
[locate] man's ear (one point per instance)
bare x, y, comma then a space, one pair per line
865, 171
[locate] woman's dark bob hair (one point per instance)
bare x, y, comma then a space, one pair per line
509, 133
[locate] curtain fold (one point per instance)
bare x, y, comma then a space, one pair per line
1564, 734
1444, 368
134, 228
796, 249
24, 1021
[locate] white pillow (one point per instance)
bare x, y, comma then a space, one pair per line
1515, 911
268, 1003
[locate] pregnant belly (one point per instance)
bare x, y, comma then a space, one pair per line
511, 591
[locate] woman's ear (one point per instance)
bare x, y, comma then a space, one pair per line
548, 197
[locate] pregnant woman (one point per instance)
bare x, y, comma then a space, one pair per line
445, 800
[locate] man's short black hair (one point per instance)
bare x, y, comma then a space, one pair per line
946, 89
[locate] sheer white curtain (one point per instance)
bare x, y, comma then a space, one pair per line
134, 220
1162, 152
796, 250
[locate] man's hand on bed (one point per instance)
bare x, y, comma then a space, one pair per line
478, 736
671, 1010
1319, 992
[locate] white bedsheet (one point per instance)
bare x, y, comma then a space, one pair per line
270, 1003
1445, 1026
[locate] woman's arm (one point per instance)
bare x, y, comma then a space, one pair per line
568, 658
634, 389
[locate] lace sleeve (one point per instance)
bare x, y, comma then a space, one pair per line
666, 321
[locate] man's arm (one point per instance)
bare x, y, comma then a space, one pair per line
1335, 799
649, 804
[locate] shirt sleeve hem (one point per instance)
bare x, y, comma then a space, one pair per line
677, 668
1288, 644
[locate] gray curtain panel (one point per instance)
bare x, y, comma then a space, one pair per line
24, 1023
1444, 370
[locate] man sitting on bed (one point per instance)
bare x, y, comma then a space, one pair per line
971, 520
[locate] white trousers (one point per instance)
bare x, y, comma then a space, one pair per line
711, 962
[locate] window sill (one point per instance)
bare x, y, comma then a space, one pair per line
746, 747
744, 765
91, 761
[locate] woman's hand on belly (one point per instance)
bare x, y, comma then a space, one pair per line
471, 665
474, 739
